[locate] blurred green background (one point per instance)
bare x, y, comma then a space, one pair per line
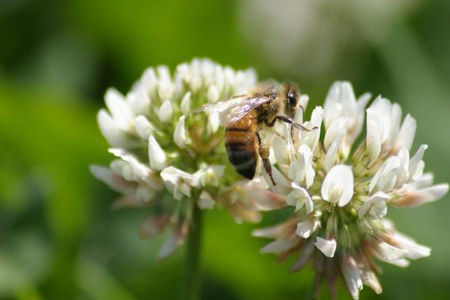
59, 239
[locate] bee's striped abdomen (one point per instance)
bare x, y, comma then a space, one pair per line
241, 145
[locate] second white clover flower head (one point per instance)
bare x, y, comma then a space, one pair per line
342, 192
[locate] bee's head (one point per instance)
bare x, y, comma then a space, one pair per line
292, 95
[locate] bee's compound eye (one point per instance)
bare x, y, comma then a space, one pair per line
292, 99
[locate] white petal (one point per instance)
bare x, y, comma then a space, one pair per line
139, 100
177, 176
303, 102
180, 136
185, 105
219, 77
415, 165
115, 136
149, 80
389, 253
403, 170
335, 132
340, 102
425, 181
172, 243
333, 95
423, 196
128, 165
317, 116
156, 154
213, 121
304, 159
294, 199
143, 127
311, 139
352, 276
368, 275
300, 197
210, 175
337, 187
331, 157
361, 104
402, 263
205, 201
373, 139
279, 246
119, 108
385, 178
272, 232
376, 204
387, 117
123, 169
332, 114
138, 170
282, 186
298, 117
213, 94
306, 228
396, 119
281, 150
178, 182
114, 181
415, 251
165, 89
327, 247
301, 170
347, 96
165, 112
407, 132
384, 109
163, 73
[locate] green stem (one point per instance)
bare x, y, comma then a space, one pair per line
192, 278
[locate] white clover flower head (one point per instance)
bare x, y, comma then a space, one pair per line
168, 157
341, 192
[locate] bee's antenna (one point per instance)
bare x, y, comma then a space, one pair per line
295, 124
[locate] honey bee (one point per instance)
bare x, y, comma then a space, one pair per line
246, 115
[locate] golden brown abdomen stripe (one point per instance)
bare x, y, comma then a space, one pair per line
240, 142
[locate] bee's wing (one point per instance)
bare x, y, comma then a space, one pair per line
250, 104
222, 106
233, 109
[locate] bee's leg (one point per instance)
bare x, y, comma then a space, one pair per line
264, 153
295, 124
